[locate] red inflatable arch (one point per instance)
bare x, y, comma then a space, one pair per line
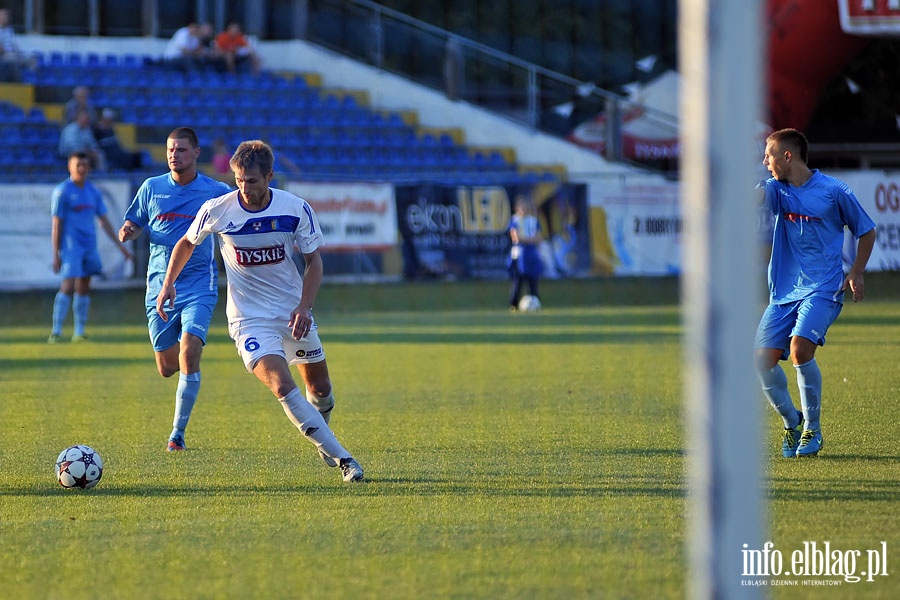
807, 49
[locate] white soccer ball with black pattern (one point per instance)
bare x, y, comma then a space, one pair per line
79, 466
529, 304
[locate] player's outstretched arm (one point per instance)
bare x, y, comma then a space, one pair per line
56, 240
129, 231
180, 255
111, 233
855, 279
301, 316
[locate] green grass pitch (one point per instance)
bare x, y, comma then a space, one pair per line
507, 455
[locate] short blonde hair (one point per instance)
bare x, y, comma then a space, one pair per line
253, 153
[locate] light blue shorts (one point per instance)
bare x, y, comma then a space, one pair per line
80, 262
191, 317
809, 318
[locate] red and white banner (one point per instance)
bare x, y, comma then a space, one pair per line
25, 225
870, 17
353, 216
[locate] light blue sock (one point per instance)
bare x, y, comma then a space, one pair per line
61, 305
809, 379
80, 306
185, 396
775, 387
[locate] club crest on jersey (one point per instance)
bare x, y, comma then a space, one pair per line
253, 257
260, 226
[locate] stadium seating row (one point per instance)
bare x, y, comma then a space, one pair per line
322, 133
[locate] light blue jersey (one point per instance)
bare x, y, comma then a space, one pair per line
525, 259
168, 209
809, 235
78, 207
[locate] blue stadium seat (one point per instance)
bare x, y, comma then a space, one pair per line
349, 138
130, 61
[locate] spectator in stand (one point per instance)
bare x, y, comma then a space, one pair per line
80, 100
12, 59
184, 51
236, 50
221, 161
209, 53
78, 136
117, 157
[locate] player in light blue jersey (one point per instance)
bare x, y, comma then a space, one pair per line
806, 281
74, 206
166, 205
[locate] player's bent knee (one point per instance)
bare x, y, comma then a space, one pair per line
282, 390
320, 389
166, 368
765, 361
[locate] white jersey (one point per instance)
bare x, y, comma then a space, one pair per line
258, 250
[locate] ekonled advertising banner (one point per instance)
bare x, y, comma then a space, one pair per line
462, 231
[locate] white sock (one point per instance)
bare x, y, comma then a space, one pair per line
311, 424
323, 405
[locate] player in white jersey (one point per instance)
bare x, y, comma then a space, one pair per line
269, 305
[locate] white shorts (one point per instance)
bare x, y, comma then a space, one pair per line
255, 338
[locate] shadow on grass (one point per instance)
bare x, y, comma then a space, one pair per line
506, 337
854, 457
460, 336
673, 452
876, 321
96, 339
868, 490
63, 362
388, 487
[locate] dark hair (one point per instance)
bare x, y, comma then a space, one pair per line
253, 153
80, 155
793, 139
185, 133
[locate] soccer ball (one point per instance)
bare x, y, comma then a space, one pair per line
79, 466
529, 304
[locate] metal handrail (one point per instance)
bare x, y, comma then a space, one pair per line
539, 86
